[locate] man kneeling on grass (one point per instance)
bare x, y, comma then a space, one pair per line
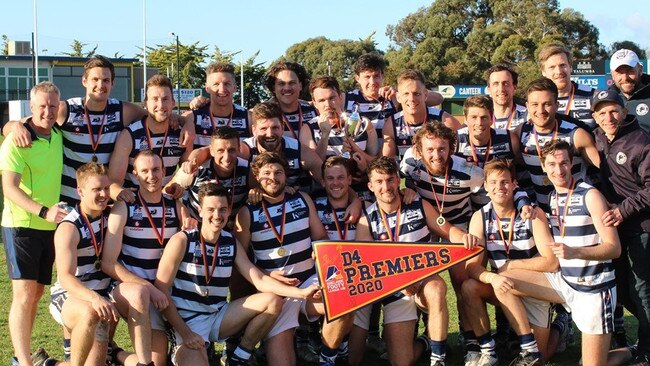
511, 242
80, 296
584, 247
194, 271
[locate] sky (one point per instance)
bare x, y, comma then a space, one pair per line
248, 26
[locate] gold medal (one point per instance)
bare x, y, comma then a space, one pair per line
94, 144
98, 246
208, 271
440, 220
279, 236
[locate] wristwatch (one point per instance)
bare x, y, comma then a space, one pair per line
43, 212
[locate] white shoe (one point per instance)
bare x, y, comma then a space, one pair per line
471, 358
487, 359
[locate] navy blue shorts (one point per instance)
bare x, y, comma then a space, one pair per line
30, 254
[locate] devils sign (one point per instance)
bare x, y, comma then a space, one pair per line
355, 274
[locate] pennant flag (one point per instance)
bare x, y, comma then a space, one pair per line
355, 274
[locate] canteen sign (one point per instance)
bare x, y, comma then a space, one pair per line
355, 274
460, 91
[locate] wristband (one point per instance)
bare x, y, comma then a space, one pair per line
43, 212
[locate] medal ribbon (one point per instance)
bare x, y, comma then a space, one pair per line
379, 100
286, 122
93, 239
508, 243
205, 260
280, 235
562, 222
440, 206
150, 141
94, 144
510, 118
214, 125
407, 126
159, 235
475, 153
570, 101
539, 151
393, 234
342, 234
232, 185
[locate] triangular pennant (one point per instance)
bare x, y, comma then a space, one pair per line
355, 274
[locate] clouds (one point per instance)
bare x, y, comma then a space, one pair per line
616, 23
640, 28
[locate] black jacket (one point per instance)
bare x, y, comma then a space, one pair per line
625, 173
639, 103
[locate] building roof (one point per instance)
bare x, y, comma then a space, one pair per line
66, 59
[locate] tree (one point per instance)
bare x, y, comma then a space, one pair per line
78, 49
456, 41
254, 76
5, 44
628, 45
192, 56
315, 53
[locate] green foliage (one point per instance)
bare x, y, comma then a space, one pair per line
456, 41
5, 44
192, 57
78, 49
627, 45
322, 56
254, 89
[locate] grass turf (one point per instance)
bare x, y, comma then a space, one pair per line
47, 333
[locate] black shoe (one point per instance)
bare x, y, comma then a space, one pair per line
619, 339
526, 358
640, 360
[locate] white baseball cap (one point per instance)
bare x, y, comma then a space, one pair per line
623, 57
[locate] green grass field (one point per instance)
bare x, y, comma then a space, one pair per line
48, 334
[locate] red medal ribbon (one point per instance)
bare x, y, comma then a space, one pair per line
487, 152
508, 243
562, 222
98, 246
440, 206
207, 276
278, 235
376, 100
286, 122
150, 141
159, 235
94, 143
510, 117
232, 184
539, 150
342, 234
214, 125
393, 234
570, 101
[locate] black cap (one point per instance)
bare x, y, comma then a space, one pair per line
606, 96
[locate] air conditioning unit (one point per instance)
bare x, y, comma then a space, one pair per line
20, 48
